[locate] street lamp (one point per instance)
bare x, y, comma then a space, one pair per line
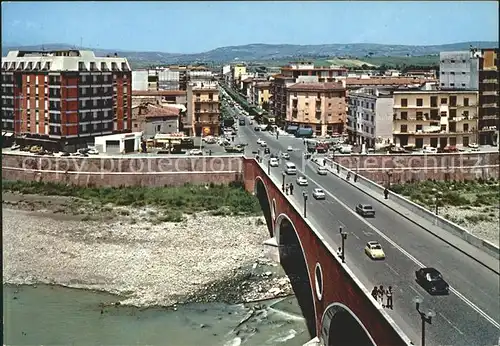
389, 175
304, 193
438, 195
425, 316
283, 185
344, 237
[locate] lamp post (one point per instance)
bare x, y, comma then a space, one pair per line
389, 175
283, 185
425, 316
269, 166
438, 195
344, 237
304, 194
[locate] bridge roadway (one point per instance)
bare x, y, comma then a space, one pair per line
468, 317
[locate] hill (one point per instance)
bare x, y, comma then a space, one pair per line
357, 52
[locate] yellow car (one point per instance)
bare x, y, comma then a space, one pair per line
374, 250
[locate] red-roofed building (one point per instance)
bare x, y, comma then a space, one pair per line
320, 106
153, 119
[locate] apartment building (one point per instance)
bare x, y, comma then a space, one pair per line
66, 96
159, 97
260, 94
435, 118
489, 120
296, 73
369, 118
152, 119
353, 83
236, 73
203, 109
320, 106
459, 70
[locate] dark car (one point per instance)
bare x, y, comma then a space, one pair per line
267, 151
432, 281
365, 210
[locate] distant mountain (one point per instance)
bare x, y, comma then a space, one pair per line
265, 52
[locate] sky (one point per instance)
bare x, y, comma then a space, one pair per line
198, 26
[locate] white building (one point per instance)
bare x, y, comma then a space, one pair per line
140, 80
370, 117
119, 143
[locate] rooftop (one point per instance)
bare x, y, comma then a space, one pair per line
316, 86
386, 81
151, 111
158, 93
62, 60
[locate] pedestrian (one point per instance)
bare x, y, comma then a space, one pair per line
381, 295
386, 193
339, 252
348, 176
389, 298
287, 187
375, 293
291, 189
355, 177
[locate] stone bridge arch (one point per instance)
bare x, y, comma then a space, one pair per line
260, 191
294, 262
341, 327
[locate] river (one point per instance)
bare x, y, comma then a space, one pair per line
52, 315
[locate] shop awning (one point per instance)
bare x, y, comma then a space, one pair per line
292, 128
8, 134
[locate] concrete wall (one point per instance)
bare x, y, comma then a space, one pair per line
404, 168
126, 171
462, 73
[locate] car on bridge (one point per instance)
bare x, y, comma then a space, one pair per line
319, 193
374, 250
432, 281
196, 152
285, 156
263, 144
365, 210
289, 148
273, 162
321, 170
302, 181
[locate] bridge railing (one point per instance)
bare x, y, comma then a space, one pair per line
416, 209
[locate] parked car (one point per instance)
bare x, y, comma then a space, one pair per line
374, 250
289, 148
302, 181
256, 128
450, 149
263, 144
35, 149
15, 147
432, 281
430, 150
267, 151
196, 152
318, 193
273, 162
93, 151
365, 210
321, 170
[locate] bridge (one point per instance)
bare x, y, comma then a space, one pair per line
335, 296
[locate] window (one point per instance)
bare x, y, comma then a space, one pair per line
419, 127
444, 100
434, 100
28, 104
420, 102
466, 127
294, 94
452, 84
452, 72
466, 114
36, 102
404, 128
84, 103
453, 127
453, 100
404, 115
443, 128
466, 101
404, 102
28, 90
465, 142
27, 78
95, 102
36, 90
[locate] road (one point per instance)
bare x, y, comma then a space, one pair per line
468, 316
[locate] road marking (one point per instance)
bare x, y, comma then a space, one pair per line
392, 269
415, 290
403, 251
451, 324
354, 234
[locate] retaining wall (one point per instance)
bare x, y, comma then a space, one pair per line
410, 167
126, 171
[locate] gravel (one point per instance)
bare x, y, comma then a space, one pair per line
147, 264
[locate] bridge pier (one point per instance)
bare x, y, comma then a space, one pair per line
313, 342
272, 250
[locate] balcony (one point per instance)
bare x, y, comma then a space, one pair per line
489, 105
201, 122
489, 117
489, 93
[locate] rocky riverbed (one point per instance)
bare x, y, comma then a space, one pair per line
133, 253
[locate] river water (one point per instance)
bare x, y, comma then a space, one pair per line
52, 315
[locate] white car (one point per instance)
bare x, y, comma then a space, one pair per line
273, 162
319, 194
289, 148
430, 150
302, 181
259, 141
263, 144
321, 170
285, 156
195, 152
15, 147
93, 151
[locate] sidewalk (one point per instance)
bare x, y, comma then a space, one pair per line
457, 242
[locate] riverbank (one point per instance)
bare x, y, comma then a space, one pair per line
136, 253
